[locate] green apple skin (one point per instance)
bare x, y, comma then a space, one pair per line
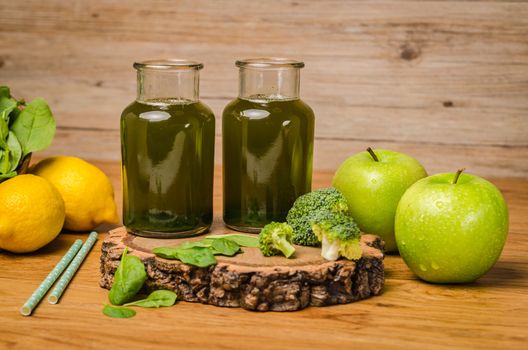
451, 233
374, 188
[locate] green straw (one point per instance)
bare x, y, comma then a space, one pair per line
70, 271
39, 293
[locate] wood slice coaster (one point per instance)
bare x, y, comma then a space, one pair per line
250, 280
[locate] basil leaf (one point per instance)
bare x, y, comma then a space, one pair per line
128, 279
241, 240
224, 247
34, 126
158, 298
118, 312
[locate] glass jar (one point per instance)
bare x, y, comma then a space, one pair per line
268, 137
167, 152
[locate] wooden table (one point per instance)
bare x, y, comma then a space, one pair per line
491, 313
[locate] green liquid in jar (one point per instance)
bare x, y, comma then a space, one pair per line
267, 162
167, 151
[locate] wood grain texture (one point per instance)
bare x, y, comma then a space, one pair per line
449, 75
491, 313
328, 154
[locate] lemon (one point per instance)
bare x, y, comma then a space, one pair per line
87, 192
31, 213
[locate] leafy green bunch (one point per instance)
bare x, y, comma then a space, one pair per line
24, 128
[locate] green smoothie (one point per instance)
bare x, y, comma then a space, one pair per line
167, 166
267, 159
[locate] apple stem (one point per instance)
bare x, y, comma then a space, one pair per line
457, 175
372, 154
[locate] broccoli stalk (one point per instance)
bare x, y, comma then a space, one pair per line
275, 238
339, 236
309, 206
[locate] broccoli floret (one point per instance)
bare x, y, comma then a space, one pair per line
339, 236
309, 205
275, 238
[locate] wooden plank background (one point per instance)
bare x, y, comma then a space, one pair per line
445, 81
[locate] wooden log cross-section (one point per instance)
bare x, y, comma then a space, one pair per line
250, 280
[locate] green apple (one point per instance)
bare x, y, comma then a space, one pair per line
451, 228
373, 183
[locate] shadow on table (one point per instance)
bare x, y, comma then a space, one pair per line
57, 245
103, 228
504, 274
63, 241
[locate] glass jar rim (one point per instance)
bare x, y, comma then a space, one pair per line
269, 63
168, 64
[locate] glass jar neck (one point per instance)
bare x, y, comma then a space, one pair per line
269, 83
172, 85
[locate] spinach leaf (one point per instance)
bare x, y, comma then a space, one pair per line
193, 255
158, 298
4, 161
10, 153
224, 247
8, 175
201, 253
197, 256
171, 252
202, 243
7, 105
4, 91
118, 312
166, 252
34, 127
241, 240
15, 151
4, 129
128, 279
